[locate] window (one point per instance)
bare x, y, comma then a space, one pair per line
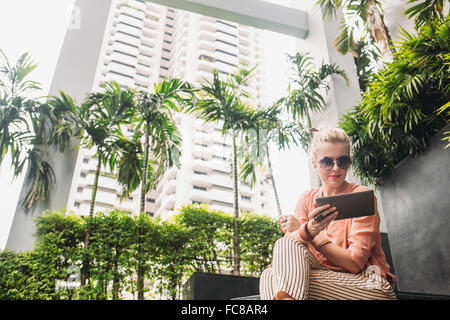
80, 189
219, 157
76, 204
150, 200
199, 188
226, 24
131, 16
200, 173
83, 175
225, 42
246, 198
222, 51
86, 160
120, 74
151, 214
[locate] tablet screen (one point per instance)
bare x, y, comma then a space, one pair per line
350, 205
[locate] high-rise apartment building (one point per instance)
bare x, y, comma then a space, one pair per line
144, 43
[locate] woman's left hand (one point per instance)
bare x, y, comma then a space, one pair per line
288, 223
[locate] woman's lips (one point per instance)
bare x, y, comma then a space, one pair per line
335, 177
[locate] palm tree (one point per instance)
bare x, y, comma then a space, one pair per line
222, 100
370, 12
25, 124
160, 132
161, 145
270, 128
426, 11
306, 95
97, 123
308, 87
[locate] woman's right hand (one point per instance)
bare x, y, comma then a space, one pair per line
288, 223
315, 227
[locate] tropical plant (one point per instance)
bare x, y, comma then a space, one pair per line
308, 87
161, 136
403, 105
25, 124
223, 101
156, 125
209, 243
363, 16
97, 123
173, 251
426, 12
269, 128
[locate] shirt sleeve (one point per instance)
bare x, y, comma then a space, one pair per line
362, 237
301, 209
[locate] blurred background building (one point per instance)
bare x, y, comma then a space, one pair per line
144, 43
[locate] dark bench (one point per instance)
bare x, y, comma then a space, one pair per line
208, 286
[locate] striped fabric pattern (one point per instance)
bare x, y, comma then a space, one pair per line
296, 271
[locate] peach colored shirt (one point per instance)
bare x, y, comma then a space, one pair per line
361, 236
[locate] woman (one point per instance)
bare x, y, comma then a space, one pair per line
329, 259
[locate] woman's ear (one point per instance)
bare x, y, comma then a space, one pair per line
313, 161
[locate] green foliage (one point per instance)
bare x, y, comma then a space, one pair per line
121, 245
259, 234
25, 124
308, 85
403, 105
211, 233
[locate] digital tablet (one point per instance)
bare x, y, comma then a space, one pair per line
349, 205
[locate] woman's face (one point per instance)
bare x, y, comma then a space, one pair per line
328, 156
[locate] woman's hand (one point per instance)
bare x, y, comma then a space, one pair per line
288, 223
315, 227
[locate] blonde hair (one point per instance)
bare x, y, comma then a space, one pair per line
328, 134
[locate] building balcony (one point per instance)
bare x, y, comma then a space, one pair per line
199, 195
229, 27
127, 29
117, 56
131, 21
202, 165
207, 45
207, 25
206, 66
201, 152
208, 35
202, 138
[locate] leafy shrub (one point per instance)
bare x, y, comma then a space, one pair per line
399, 111
121, 245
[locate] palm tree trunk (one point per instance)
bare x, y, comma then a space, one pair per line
375, 23
145, 169
237, 248
85, 273
277, 200
140, 271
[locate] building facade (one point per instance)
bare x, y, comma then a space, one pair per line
145, 43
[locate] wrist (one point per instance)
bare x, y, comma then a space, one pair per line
304, 233
319, 241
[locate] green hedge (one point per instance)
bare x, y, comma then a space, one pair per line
196, 239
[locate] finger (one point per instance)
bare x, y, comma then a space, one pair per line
326, 220
318, 210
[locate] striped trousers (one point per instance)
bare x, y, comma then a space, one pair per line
296, 271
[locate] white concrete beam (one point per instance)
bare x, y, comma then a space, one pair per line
254, 13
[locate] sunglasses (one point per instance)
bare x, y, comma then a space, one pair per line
343, 162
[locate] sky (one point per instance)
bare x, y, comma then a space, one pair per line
39, 27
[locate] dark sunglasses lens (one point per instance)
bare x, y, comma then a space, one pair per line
326, 163
344, 162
